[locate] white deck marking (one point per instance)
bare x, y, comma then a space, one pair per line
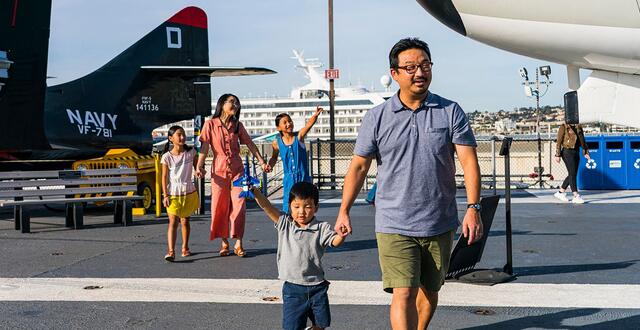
252, 291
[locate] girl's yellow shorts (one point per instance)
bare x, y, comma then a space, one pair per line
183, 206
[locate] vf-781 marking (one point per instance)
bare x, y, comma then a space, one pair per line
100, 124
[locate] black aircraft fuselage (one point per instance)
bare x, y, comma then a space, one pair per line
116, 106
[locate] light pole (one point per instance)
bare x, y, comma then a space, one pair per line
198, 121
545, 71
332, 96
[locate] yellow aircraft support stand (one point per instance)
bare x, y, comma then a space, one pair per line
159, 201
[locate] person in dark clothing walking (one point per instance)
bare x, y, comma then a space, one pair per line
570, 139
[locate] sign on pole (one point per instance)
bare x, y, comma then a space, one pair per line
332, 74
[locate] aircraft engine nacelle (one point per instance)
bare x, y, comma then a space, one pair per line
603, 36
610, 97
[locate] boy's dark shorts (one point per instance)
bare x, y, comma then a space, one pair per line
412, 262
305, 301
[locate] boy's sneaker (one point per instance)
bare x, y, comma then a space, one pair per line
577, 200
561, 196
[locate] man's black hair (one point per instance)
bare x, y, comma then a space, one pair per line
304, 190
404, 44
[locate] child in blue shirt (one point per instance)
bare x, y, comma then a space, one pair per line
291, 148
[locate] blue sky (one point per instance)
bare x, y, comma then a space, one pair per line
86, 34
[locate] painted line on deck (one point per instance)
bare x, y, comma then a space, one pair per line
253, 291
519, 200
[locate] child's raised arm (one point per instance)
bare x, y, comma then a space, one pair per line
303, 132
272, 212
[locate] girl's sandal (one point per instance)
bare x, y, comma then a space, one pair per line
224, 251
170, 256
186, 252
240, 252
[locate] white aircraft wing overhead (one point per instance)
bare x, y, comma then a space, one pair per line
603, 36
211, 71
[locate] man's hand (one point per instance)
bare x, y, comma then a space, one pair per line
557, 159
587, 156
472, 226
343, 224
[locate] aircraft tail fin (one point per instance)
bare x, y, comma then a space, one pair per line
135, 100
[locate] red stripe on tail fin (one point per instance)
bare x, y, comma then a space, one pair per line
192, 16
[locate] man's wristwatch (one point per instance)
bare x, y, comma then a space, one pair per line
475, 206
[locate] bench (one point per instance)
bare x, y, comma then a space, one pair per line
22, 189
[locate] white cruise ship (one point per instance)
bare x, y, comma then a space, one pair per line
351, 103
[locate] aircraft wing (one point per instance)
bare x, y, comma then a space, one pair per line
212, 71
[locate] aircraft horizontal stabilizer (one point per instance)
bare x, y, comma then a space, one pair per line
211, 71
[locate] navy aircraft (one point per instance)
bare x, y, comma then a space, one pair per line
602, 36
153, 82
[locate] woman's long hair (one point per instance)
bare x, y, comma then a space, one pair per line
220, 104
172, 130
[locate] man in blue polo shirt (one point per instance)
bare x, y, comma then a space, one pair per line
413, 137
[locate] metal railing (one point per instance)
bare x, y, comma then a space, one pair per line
524, 163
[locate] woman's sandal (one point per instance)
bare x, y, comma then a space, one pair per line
186, 252
170, 256
240, 252
224, 251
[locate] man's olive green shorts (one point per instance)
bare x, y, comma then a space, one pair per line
411, 262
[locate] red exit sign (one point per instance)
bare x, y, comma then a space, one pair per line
332, 74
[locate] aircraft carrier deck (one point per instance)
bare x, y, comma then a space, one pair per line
577, 266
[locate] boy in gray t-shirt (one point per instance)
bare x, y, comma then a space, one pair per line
301, 244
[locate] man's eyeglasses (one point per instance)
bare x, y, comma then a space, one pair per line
411, 69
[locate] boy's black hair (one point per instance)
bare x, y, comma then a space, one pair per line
404, 44
280, 116
172, 130
304, 190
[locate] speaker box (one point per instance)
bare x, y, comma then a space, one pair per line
571, 108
